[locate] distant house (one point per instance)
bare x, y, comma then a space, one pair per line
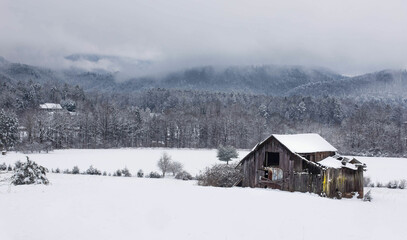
304, 163
51, 107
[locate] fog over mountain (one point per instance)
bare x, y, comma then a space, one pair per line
271, 80
350, 37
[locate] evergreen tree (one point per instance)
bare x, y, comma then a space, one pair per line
226, 154
8, 130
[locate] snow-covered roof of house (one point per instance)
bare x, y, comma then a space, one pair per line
305, 143
50, 106
340, 162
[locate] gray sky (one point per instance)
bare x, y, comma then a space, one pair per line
346, 36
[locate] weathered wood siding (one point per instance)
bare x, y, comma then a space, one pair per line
343, 180
318, 156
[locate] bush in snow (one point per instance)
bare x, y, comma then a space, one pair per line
118, 173
104, 173
220, 175
3, 167
184, 175
392, 184
140, 173
368, 197
57, 170
126, 172
379, 184
67, 171
29, 173
9, 168
93, 171
402, 184
18, 165
154, 175
75, 170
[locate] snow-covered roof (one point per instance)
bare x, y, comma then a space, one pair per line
305, 143
54, 106
338, 162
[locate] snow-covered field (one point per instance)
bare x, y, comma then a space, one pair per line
383, 169
110, 160
101, 207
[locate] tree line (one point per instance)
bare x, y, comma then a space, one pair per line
195, 119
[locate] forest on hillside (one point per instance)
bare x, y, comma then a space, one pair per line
194, 119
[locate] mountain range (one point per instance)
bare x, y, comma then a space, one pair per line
265, 79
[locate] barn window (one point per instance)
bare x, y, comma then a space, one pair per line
272, 159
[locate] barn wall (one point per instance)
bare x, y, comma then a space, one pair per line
299, 175
343, 180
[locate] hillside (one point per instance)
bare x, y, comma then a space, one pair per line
386, 83
269, 80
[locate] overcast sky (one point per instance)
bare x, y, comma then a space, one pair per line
349, 37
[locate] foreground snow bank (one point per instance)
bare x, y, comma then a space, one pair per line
97, 207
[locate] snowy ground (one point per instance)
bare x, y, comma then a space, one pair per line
98, 207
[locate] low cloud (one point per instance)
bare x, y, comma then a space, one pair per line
347, 36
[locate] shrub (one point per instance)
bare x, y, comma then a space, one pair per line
29, 173
184, 175
392, 184
18, 164
93, 171
75, 170
57, 170
67, 171
140, 173
402, 184
220, 175
379, 184
104, 173
118, 173
126, 172
154, 175
368, 197
9, 168
3, 167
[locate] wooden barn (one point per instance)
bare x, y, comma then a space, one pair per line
304, 163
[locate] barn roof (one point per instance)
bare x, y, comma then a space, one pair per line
336, 162
298, 143
305, 143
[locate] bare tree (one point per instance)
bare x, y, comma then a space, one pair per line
164, 163
175, 167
